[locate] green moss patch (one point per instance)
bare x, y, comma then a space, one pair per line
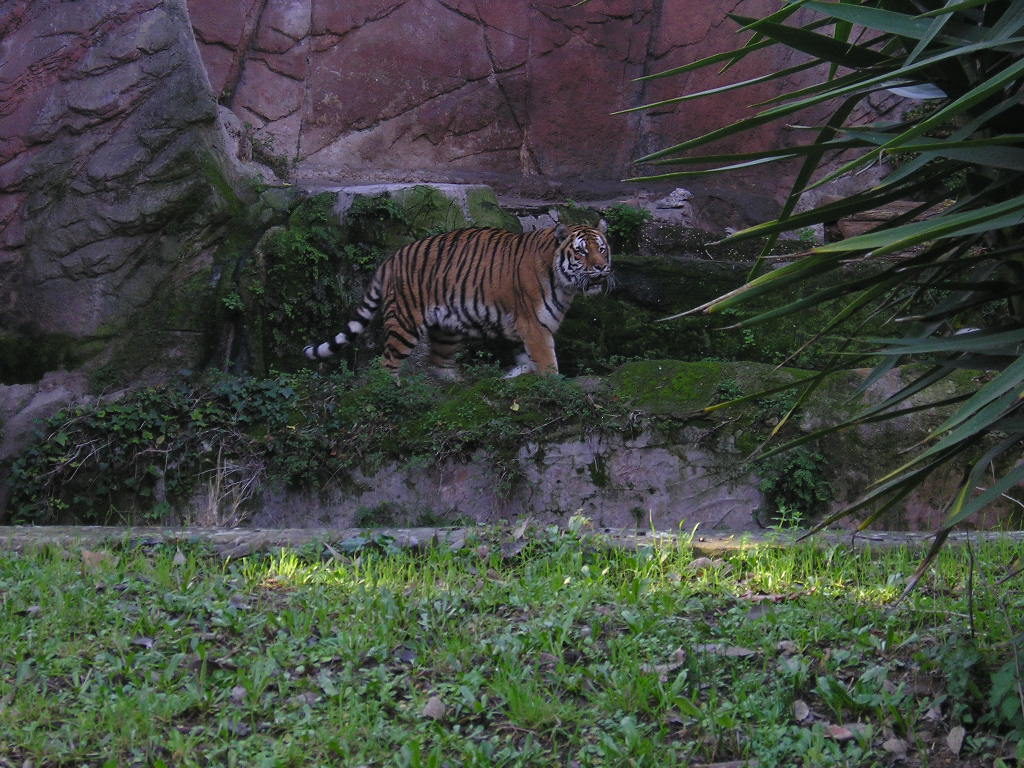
426, 211
484, 210
668, 386
574, 214
679, 387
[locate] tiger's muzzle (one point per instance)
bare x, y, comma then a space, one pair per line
597, 281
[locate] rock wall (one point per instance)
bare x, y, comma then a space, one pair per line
517, 93
114, 177
645, 481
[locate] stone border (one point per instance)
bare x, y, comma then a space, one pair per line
238, 542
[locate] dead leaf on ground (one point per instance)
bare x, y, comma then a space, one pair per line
664, 670
844, 732
786, 646
404, 654
179, 558
895, 746
306, 699
721, 649
801, 712
955, 739
238, 601
512, 548
757, 611
547, 659
144, 642
238, 694
93, 561
434, 708
838, 732
238, 728
773, 597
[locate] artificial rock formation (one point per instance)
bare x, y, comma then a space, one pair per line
126, 125
113, 176
517, 93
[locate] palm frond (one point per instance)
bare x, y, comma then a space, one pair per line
949, 272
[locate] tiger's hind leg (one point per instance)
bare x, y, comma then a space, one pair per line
399, 343
444, 345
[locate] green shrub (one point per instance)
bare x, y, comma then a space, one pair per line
624, 225
794, 486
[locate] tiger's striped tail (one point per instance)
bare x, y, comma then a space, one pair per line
355, 326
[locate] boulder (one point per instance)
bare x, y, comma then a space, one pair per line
115, 182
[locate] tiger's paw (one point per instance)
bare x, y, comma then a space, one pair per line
518, 370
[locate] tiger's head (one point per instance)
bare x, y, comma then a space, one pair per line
584, 259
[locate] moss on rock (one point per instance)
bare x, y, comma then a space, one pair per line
572, 214
426, 210
485, 211
679, 387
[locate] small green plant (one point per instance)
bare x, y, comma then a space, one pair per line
128, 459
807, 237
369, 217
233, 302
728, 389
363, 255
1006, 706
794, 486
624, 225
295, 288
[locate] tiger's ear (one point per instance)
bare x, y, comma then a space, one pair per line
561, 232
602, 227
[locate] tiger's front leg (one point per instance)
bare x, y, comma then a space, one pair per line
539, 343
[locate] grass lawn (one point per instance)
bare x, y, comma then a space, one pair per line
552, 652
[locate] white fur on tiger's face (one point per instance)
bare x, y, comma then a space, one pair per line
479, 283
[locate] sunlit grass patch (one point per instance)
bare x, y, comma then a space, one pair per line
547, 652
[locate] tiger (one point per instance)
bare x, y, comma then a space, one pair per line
479, 283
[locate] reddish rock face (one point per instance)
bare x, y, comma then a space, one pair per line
465, 90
